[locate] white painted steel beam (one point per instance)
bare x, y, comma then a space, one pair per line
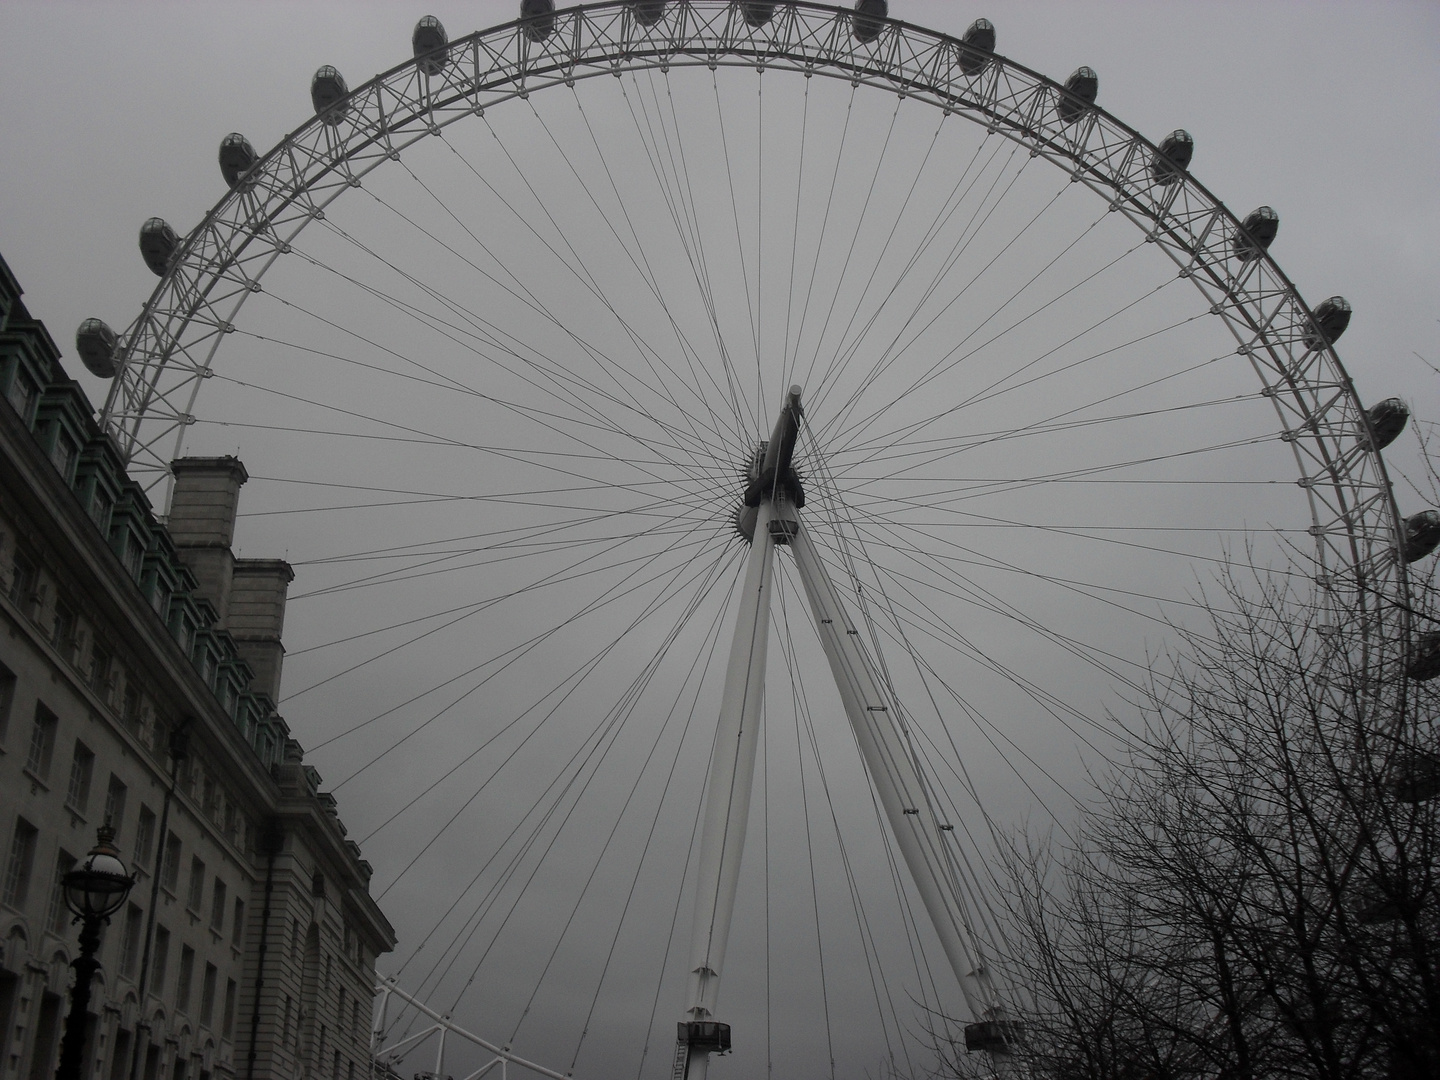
898, 783
727, 789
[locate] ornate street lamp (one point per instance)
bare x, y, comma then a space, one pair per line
94, 891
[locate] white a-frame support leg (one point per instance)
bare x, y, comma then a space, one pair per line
727, 796
896, 777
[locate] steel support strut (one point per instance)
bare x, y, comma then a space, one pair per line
901, 790
773, 494
732, 763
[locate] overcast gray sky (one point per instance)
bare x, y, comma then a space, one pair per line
1329, 112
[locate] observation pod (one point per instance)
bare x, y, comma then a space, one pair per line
237, 157
1417, 777
1387, 420
868, 20
1422, 535
992, 1036
157, 245
1331, 319
540, 18
1425, 657
1256, 233
647, 12
430, 46
328, 93
1172, 157
979, 42
95, 342
757, 12
1081, 88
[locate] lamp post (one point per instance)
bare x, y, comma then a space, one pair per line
94, 891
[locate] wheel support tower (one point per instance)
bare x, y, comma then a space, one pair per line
879, 732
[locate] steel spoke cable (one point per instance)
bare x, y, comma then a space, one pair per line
864, 931
739, 241
998, 388
601, 421
686, 221
787, 651
641, 260
706, 575
505, 841
849, 256
612, 594
793, 360
616, 718
972, 230
488, 601
661, 383
633, 695
702, 659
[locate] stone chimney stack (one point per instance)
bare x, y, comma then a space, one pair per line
202, 522
248, 594
256, 618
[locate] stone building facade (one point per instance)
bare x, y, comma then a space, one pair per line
139, 668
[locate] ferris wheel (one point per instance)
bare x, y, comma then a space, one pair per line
629, 366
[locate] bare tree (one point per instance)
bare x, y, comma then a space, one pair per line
1257, 895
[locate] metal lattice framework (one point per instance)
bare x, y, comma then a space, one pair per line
166, 354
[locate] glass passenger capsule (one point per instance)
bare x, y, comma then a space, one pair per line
979, 42
1422, 535
1172, 157
157, 245
1256, 233
430, 45
540, 16
647, 12
1387, 420
1425, 657
868, 20
757, 12
328, 93
1331, 319
95, 342
1080, 91
237, 157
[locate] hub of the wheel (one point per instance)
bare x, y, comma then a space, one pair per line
771, 476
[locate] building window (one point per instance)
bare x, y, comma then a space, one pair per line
63, 455
196, 896
115, 804
187, 974
217, 907
22, 395
227, 1029
160, 955
62, 636
56, 914
237, 928
207, 994
22, 859
170, 864
7, 699
101, 663
42, 742
100, 506
145, 836
134, 554
130, 945
285, 1023
22, 583
130, 704
82, 768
